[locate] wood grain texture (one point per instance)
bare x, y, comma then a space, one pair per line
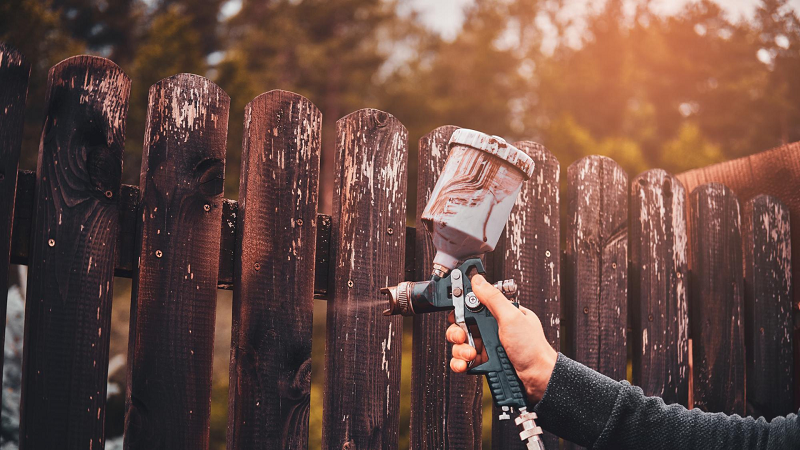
14, 73
363, 348
270, 376
174, 301
716, 305
596, 265
774, 172
71, 267
446, 409
659, 283
768, 307
529, 252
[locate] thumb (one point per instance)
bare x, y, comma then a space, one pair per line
492, 298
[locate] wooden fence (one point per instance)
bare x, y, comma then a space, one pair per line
696, 290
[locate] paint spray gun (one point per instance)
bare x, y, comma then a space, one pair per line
467, 211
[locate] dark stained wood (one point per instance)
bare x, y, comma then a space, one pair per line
658, 286
174, 301
362, 361
71, 267
529, 252
23, 217
774, 172
14, 73
716, 306
768, 307
595, 272
446, 407
270, 376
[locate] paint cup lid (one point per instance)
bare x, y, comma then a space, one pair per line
495, 145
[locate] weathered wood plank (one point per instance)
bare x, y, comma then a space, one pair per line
445, 406
71, 267
174, 301
774, 172
716, 306
270, 376
659, 283
595, 272
14, 73
362, 361
768, 307
529, 252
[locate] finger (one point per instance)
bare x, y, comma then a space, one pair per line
464, 351
498, 304
458, 365
525, 310
455, 335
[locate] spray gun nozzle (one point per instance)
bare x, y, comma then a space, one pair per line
399, 299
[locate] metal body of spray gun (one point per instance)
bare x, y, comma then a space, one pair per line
467, 211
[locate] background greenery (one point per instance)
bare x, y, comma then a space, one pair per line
616, 78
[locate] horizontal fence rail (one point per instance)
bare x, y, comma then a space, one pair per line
672, 261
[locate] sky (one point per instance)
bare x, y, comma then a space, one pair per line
445, 16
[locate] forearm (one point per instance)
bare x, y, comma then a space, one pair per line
595, 411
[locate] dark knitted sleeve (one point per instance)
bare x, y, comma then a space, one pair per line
595, 411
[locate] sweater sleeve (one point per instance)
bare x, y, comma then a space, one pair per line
594, 411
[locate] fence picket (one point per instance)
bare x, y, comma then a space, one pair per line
71, 264
658, 282
362, 361
768, 306
529, 252
270, 376
14, 73
174, 302
716, 308
595, 269
445, 406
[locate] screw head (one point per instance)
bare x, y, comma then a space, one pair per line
350, 283
207, 207
299, 222
159, 253
472, 301
547, 253
257, 266
586, 310
456, 275
51, 242
457, 292
390, 230
613, 265
109, 194
650, 317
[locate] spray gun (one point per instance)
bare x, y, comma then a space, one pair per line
467, 211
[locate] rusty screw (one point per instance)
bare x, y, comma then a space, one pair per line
159, 253
299, 222
51, 242
650, 317
109, 194
586, 310
390, 230
207, 207
257, 266
350, 283
547, 253
613, 265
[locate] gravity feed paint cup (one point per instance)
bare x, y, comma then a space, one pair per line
472, 199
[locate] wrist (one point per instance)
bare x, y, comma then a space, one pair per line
536, 378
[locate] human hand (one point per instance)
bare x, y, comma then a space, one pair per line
522, 337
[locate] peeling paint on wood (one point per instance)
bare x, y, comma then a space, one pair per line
529, 252
362, 398
71, 266
716, 304
14, 73
445, 406
174, 300
270, 376
768, 307
659, 282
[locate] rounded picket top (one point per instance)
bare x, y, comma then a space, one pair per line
12, 57
444, 130
375, 118
714, 192
660, 182
281, 94
539, 153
